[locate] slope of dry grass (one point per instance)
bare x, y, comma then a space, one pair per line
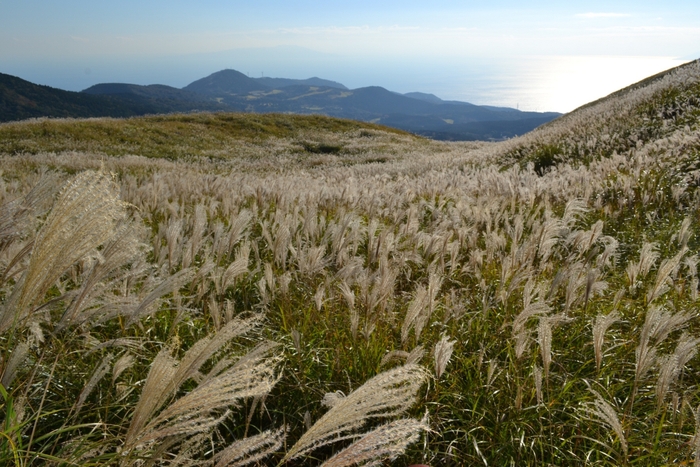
281, 298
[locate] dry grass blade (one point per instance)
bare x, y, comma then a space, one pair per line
196, 414
386, 395
236, 268
393, 356
415, 355
349, 296
100, 371
205, 348
533, 309
169, 285
544, 339
600, 327
647, 258
415, 308
122, 250
672, 365
15, 216
520, 332
121, 365
167, 374
19, 354
442, 354
384, 443
663, 277
82, 218
608, 415
195, 411
537, 375
250, 449
153, 394
659, 323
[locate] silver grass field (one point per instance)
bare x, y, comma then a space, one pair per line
225, 290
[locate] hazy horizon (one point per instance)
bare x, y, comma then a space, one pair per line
539, 56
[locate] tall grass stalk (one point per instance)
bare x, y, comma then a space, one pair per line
194, 306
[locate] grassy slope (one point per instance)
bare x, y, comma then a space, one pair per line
168, 136
640, 114
473, 225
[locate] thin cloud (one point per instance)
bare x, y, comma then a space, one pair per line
344, 30
603, 15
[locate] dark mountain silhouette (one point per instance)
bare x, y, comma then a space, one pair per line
277, 83
152, 91
230, 90
424, 97
20, 99
224, 83
158, 98
378, 100
421, 113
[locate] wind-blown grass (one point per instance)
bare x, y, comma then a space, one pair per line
221, 293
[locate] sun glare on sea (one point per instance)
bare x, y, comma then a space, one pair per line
565, 83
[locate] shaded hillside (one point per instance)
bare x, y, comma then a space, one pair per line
225, 83
424, 97
151, 91
20, 99
158, 97
430, 117
277, 83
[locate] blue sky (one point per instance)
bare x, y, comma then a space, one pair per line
537, 55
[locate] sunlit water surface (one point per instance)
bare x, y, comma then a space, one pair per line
564, 83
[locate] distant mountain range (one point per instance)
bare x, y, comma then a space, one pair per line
230, 90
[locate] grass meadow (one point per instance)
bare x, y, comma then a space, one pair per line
236, 289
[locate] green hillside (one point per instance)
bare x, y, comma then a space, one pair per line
174, 136
275, 290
